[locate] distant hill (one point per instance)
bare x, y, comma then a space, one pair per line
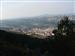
29, 22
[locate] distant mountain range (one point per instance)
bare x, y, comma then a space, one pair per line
39, 21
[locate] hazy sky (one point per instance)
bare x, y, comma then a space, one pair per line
74, 6
37, 0
29, 9
0, 10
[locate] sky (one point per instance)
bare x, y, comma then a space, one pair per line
12, 10
0, 10
74, 7
37, 0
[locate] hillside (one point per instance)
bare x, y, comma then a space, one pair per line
12, 44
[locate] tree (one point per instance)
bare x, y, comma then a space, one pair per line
65, 37
65, 28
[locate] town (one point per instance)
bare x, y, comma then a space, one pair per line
43, 32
